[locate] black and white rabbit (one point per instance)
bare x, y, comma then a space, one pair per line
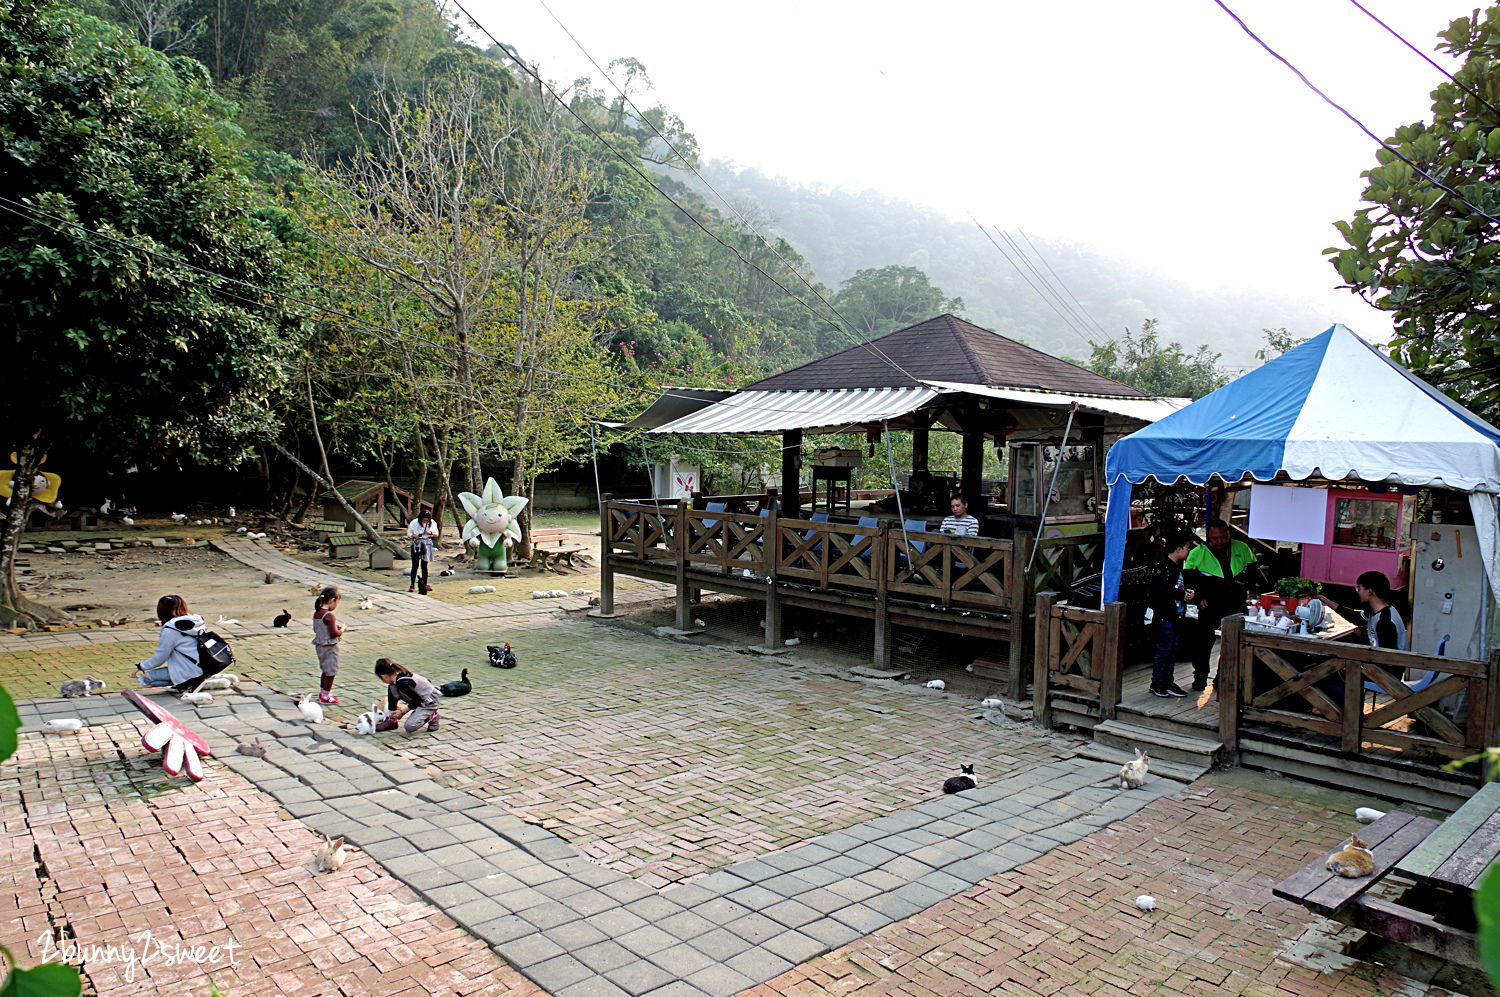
964, 780
74, 688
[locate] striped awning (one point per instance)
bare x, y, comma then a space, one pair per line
777, 411
673, 403
1143, 410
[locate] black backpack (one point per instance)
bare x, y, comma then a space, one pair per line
214, 652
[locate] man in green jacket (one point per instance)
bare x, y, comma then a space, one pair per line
1216, 573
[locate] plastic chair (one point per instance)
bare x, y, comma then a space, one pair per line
817, 517
1419, 684
713, 507
869, 521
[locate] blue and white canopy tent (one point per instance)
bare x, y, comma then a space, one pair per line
1332, 409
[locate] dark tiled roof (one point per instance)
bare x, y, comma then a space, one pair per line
945, 348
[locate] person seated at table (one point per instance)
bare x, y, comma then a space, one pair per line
1383, 624
960, 523
1218, 573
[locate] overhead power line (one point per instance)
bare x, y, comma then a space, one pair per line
1001, 250
642, 174
1427, 58
1358, 123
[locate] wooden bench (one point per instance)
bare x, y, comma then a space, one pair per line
343, 545
328, 526
1392, 839
551, 544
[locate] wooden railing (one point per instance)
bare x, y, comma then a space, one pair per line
1299, 684
973, 573
644, 530
1077, 649
1061, 561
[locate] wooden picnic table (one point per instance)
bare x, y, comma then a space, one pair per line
1446, 861
1458, 854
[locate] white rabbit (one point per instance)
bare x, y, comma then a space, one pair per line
329, 856
366, 723
937, 684
70, 726
311, 711
197, 698
219, 683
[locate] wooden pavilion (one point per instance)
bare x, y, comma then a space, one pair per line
944, 374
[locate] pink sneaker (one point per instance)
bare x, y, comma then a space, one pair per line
411, 588
328, 700
433, 723
387, 724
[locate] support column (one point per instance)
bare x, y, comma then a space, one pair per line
684, 594
606, 570
920, 439
879, 559
970, 484
1020, 610
791, 473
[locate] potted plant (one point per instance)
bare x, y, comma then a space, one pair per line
1289, 593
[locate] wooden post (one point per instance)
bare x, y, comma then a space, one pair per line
880, 560
972, 471
684, 594
1020, 606
772, 552
1111, 659
1492, 701
791, 473
1227, 686
606, 570
1354, 706
1041, 700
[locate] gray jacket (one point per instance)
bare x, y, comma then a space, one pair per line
177, 647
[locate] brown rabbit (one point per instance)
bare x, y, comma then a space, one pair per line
1133, 773
1353, 861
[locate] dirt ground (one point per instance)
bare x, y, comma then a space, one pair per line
124, 584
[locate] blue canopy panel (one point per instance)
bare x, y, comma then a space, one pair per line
1242, 427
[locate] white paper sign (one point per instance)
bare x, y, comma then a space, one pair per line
1278, 512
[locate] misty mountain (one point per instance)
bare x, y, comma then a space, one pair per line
841, 231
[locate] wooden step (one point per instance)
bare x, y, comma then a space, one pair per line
1169, 746
1394, 783
1176, 771
1170, 724
1062, 717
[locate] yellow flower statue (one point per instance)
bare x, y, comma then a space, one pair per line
492, 526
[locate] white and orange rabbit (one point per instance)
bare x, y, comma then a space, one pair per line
1133, 773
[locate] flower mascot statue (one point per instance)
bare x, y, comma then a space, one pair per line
492, 526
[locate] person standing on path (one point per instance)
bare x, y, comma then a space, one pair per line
1217, 574
327, 632
418, 698
422, 532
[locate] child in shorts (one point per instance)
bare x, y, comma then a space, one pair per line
326, 635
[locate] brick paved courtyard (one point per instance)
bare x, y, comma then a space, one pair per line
669, 767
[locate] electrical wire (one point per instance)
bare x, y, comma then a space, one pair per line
1358, 123
74, 228
1427, 58
1041, 278
634, 168
1092, 321
1001, 250
687, 162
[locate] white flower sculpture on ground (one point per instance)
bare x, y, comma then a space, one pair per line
492, 526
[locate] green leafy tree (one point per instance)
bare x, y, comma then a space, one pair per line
1278, 341
1428, 257
877, 301
115, 165
1163, 370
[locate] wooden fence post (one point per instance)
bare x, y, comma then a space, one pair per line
1020, 607
771, 551
1227, 686
1492, 700
684, 595
1354, 706
1041, 698
606, 570
880, 557
1111, 662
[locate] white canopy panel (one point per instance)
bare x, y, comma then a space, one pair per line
776, 411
